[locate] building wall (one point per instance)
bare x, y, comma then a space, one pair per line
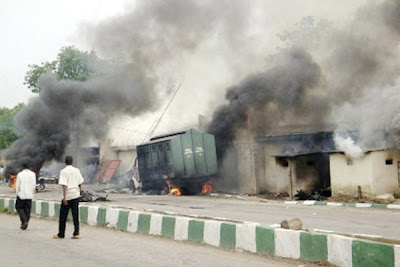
385, 175
347, 175
276, 171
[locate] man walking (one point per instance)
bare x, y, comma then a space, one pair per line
25, 189
70, 180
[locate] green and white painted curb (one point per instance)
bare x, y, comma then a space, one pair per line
252, 237
336, 204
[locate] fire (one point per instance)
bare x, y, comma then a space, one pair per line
173, 190
13, 183
207, 187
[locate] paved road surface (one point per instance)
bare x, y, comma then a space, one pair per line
339, 219
105, 247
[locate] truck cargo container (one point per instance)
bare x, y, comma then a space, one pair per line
187, 159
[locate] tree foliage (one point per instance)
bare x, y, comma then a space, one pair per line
71, 64
8, 132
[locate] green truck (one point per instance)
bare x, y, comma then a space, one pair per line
186, 159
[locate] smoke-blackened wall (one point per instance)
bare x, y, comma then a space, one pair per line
325, 75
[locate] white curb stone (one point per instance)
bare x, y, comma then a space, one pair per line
112, 217
6, 202
391, 206
340, 250
363, 205
397, 256
291, 202
212, 233
92, 215
246, 237
133, 221
52, 211
38, 207
181, 228
309, 202
287, 243
334, 204
155, 224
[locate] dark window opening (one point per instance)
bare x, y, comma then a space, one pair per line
282, 161
389, 162
310, 163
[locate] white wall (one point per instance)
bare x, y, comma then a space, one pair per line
385, 177
345, 178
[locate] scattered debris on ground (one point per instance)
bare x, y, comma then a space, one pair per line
320, 194
87, 196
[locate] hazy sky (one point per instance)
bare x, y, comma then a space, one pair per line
34, 31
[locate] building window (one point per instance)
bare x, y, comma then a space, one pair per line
389, 162
282, 161
310, 163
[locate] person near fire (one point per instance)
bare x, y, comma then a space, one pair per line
70, 181
25, 189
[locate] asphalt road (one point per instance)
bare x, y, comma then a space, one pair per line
339, 219
105, 247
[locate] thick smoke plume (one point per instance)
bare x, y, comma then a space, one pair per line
324, 76
141, 45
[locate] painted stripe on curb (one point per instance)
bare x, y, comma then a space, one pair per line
83, 213
155, 224
144, 223
181, 228
265, 240
313, 247
309, 202
246, 237
392, 206
168, 226
287, 243
122, 223
212, 232
291, 202
196, 231
228, 236
372, 254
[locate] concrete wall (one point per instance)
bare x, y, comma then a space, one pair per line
127, 158
347, 175
385, 176
370, 172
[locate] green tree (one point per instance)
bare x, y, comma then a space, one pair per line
8, 132
71, 64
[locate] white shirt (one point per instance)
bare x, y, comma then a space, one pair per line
72, 178
26, 184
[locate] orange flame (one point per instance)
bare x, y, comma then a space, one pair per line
13, 183
207, 187
173, 190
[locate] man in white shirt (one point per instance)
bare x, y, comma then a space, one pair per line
25, 189
70, 180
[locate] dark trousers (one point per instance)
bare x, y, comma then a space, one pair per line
72, 204
23, 207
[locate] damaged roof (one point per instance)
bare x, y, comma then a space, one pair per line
292, 145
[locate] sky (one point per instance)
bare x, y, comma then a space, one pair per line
34, 31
